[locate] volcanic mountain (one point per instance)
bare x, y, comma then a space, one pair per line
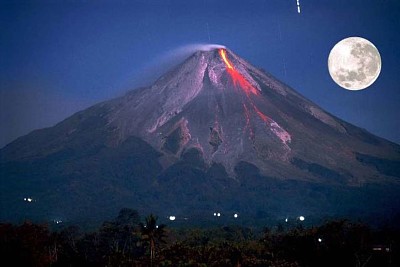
214, 133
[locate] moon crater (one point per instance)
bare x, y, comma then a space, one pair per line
354, 63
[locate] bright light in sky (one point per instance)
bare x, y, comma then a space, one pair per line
235, 215
286, 220
28, 199
298, 6
319, 240
218, 214
172, 218
301, 218
215, 214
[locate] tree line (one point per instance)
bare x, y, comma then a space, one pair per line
128, 241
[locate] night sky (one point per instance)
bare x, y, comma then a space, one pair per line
58, 57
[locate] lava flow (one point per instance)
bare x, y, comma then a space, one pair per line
238, 78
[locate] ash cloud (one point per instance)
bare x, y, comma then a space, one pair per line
164, 62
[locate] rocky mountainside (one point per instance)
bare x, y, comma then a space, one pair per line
214, 133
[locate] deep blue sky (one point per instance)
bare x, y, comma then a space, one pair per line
58, 57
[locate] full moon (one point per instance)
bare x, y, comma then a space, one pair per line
354, 63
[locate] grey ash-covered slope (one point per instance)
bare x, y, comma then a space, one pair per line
212, 127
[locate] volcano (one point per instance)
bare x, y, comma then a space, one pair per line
214, 133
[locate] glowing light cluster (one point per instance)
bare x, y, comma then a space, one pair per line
237, 78
28, 199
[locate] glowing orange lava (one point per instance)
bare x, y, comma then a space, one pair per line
238, 78
240, 81
261, 115
223, 55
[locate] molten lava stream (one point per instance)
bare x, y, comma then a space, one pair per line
260, 114
238, 79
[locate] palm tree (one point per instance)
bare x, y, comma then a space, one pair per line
152, 233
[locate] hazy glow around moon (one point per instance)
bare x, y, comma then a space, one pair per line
354, 63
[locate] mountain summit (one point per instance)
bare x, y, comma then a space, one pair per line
229, 111
212, 127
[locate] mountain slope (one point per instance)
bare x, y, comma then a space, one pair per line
210, 128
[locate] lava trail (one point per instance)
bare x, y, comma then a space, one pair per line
238, 78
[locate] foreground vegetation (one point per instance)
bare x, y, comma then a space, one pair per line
126, 241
